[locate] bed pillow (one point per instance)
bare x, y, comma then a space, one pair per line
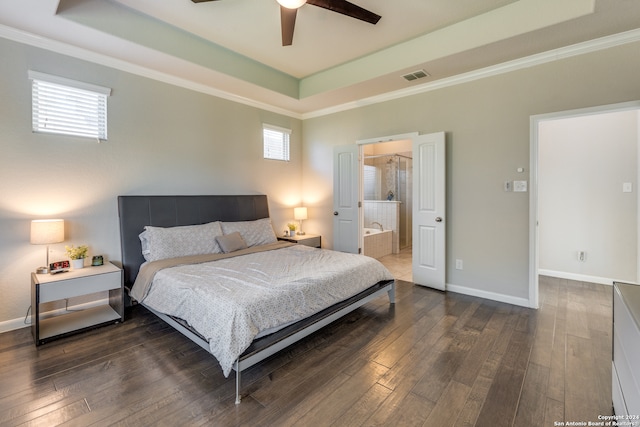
254, 233
231, 242
171, 242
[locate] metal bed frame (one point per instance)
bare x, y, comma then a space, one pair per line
135, 212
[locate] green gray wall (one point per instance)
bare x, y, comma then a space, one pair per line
487, 122
162, 140
168, 140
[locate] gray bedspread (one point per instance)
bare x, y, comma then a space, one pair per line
232, 299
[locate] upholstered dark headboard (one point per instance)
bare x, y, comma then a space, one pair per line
169, 211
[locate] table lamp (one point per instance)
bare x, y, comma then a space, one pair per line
300, 214
45, 232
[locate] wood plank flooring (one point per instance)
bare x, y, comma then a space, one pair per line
433, 359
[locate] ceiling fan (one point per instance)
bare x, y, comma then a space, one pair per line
289, 10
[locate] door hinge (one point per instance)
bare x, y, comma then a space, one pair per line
359, 251
359, 204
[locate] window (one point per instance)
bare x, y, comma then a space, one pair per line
67, 107
276, 142
371, 182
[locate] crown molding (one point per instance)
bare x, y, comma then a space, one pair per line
494, 70
126, 66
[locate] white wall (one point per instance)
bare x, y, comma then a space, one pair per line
488, 137
583, 162
162, 140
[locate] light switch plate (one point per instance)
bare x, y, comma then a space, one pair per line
520, 186
627, 187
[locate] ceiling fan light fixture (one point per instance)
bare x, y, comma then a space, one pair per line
291, 4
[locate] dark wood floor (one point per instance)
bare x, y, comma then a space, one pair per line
434, 359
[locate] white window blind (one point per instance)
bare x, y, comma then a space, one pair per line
276, 142
68, 107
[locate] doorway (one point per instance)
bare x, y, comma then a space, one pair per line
428, 198
386, 170
428, 260
598, 176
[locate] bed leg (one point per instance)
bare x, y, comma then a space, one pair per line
392, 293
237, 382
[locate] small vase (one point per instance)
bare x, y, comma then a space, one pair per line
77, 263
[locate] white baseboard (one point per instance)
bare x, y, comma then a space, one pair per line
13, 324
578, 277
523, 302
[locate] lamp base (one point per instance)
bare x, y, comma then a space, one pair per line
42, 270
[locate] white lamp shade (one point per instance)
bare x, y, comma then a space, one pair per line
291, 4
46, 231
300, 213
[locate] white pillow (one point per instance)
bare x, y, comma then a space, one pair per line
254, 233
172, 242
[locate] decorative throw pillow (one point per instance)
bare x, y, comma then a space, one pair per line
231, 242
258, 232
171, 242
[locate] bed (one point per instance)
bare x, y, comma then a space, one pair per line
284, 291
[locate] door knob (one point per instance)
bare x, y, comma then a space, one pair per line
438, 219
335, 213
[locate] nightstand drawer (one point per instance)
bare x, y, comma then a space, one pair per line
314, 242
74, 287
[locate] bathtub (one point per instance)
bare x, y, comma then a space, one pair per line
368, 231
377, 243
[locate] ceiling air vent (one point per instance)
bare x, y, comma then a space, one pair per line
415, 75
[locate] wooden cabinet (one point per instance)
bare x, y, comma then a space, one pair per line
626, 351
54, 287
312, 240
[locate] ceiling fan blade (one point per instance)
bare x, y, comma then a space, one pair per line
287, 23
346, 8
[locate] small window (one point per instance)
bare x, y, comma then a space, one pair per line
68, 107
276, 142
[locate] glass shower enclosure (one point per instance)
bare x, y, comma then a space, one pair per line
388, 177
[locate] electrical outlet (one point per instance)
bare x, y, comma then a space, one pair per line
458, 264
582, 256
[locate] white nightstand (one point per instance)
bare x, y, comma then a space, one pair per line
53, 287
312, 240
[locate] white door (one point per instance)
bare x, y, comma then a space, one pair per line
346, 195
429, 266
